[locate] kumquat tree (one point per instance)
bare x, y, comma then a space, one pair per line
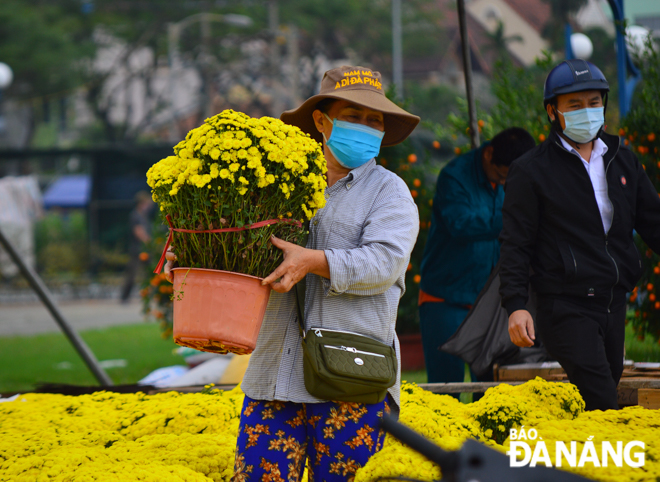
641, 132
519, 94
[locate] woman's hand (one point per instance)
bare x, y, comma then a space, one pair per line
298, 261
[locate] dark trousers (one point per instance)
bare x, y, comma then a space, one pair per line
589, 346
438, 322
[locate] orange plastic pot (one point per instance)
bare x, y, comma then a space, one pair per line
218, 311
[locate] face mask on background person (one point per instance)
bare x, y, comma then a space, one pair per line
353, 144
583, 125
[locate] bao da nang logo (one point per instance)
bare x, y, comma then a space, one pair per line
569, 454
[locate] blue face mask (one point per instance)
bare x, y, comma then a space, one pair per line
353, 144
583, 125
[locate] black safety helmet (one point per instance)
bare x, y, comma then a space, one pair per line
573, 75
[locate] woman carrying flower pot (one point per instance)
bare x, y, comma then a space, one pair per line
353, 268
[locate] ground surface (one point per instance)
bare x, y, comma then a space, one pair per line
34, 318
126, 352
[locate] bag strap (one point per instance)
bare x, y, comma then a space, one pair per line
299, 289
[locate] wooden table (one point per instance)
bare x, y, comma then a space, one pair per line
649, 398
528, 371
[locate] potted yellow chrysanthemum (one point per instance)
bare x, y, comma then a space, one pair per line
233, 183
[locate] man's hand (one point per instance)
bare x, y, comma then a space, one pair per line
521, 328
298, 261
171, 259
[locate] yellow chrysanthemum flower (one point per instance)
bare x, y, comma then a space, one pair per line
273, 167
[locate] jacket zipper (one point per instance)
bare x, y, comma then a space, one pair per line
609, 306
617, 275
353, 350
319, 332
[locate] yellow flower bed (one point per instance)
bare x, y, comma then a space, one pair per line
191, 437
119, 437
554, 410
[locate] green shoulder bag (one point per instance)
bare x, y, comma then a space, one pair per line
344, 366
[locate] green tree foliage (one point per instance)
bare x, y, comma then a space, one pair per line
641, 129
45, 44
341, 28
51, 45
135, 25
345, 28
433, 103
519, 94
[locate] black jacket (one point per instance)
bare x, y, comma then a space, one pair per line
552, 224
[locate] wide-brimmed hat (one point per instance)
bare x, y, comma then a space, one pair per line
361, 86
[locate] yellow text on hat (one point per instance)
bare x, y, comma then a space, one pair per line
357, 72
358, 80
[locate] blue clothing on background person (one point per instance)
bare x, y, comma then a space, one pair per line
462, 246
460, 253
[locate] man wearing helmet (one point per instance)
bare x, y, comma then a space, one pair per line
570, 209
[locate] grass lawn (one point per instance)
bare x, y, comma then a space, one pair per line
641, 351
418, 376
28, 360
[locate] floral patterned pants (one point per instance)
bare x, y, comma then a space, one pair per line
275, 439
